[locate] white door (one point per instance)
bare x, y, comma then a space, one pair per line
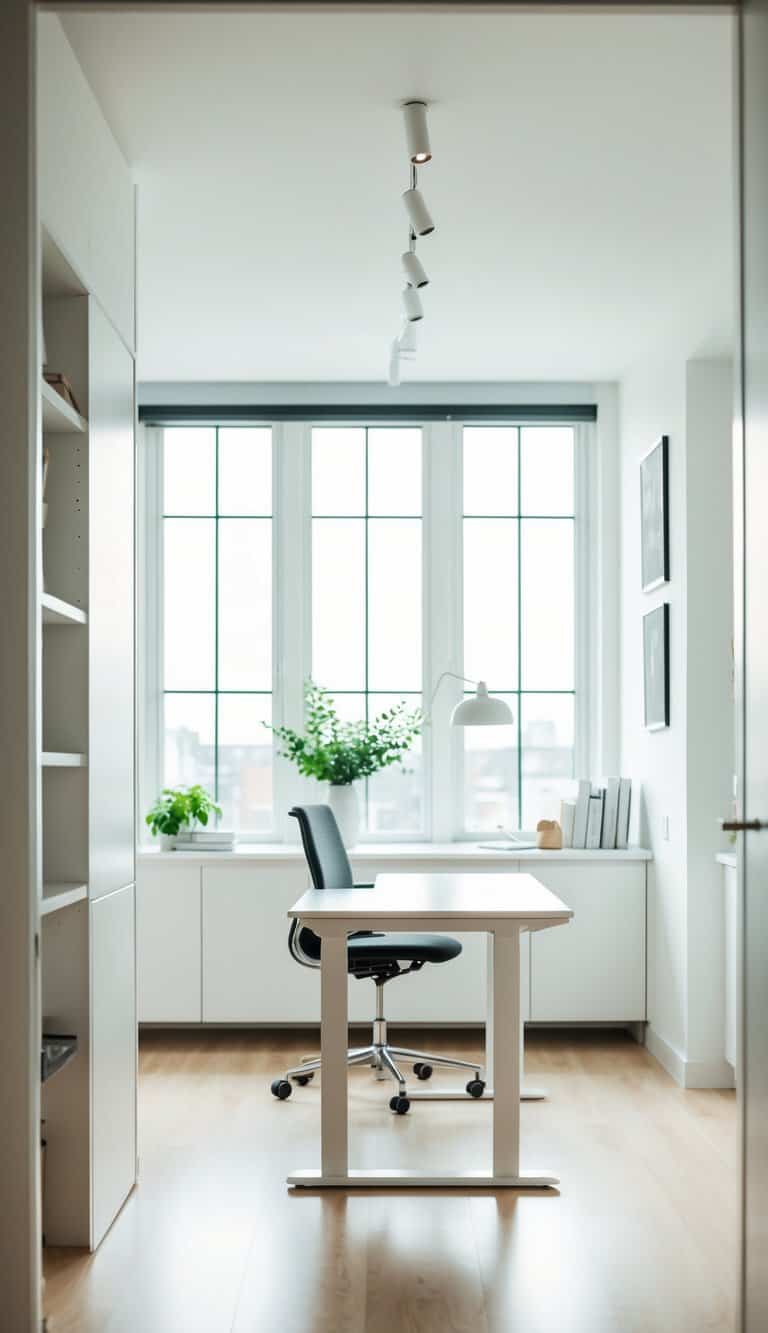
751, 495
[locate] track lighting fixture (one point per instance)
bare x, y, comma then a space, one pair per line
418, 213
416, 132
415, 274
406, 340
412, 307
403, 347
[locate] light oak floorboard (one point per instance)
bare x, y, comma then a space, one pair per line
640, 1238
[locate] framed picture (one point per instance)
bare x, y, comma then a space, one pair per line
654, 515
656, 667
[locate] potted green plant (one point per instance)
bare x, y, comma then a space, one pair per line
178, 808
339, 753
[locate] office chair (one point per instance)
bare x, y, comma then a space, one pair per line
371, 954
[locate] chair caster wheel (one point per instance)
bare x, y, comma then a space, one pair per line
422, 1071
281, 1089
475, 1087
304, 1079
399, 1105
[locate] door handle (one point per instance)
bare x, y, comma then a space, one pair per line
742, 825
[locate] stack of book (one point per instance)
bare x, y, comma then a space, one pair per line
206, 840
599, 817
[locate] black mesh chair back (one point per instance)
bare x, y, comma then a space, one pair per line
325, 852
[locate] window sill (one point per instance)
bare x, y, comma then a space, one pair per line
453, 852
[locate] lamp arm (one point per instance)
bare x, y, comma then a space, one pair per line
466, 679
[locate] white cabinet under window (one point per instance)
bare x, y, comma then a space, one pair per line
213, 948
246, 967
169, 943
593, 969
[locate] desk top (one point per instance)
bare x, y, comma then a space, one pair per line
440, 896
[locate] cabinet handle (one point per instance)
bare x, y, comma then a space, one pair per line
742, 825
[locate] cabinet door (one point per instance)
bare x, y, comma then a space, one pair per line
248, 974
593, 969
113, 1004
110, 609
453, 992
168, 942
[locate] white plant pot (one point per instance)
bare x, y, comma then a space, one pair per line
344, 804
167, 842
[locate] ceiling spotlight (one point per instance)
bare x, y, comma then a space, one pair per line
418, 213
412, 307
393, 378
406, 340
413, 268
416, 132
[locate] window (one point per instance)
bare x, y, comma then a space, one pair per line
366, 593
519, 620
217, 613
402, 550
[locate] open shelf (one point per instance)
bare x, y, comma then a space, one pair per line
58, 417
56, 759
58, 612
58, 895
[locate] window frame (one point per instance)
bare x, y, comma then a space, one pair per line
442, 580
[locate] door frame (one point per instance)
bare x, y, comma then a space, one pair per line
20, 648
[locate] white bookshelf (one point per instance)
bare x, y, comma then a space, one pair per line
86, 896
59, 417
62, 759
58, 612
57, 896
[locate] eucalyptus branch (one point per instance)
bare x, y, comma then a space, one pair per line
341, 752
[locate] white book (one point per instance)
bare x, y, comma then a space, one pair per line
582, 813
610, 813
595, 820
567, 816
622, 822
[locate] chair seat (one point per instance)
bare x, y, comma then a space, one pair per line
390, 947
428, 948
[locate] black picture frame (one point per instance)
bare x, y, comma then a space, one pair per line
654, 515
656, 668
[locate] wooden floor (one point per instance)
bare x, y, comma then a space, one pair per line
640, 1238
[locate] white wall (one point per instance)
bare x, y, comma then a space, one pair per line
86, 194
680, 774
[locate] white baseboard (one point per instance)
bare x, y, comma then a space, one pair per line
688, 1073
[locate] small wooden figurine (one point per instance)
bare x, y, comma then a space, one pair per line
549, 835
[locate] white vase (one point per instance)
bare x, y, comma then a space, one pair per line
344, 804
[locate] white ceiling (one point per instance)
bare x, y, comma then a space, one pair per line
581, 186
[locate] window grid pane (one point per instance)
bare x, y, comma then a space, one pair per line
230, 602
354, 508
519, 622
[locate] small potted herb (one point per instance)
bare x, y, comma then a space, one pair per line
340, 753
178, 809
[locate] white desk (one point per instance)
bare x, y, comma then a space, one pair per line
501, 905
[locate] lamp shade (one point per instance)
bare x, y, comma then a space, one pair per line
412, 307
482, 710
418, 213
413, 268
416, 132
393, 378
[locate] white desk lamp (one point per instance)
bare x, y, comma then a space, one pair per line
482, 710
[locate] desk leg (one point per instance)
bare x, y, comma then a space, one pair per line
527, 1093
334, 1111
506, 1064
